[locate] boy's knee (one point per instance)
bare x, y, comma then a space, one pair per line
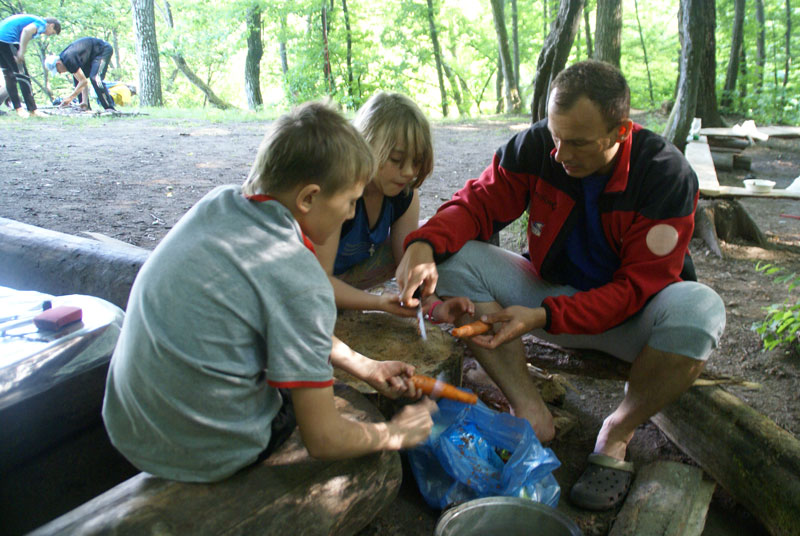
691, 321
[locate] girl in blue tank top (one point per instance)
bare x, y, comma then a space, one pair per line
368, 247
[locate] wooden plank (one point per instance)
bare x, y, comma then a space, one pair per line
776, 131
698, 154
666, 498
749, 455
738, 191
288, 493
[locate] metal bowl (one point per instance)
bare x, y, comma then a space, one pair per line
509, 516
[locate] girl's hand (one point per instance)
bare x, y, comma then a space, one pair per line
392, 379
390, 303
451, 309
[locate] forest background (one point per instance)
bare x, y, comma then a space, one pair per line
457, 58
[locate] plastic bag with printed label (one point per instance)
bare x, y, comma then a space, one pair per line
475, 452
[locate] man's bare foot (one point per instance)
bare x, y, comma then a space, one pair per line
22, 112
39, 113
540, 418
610, 441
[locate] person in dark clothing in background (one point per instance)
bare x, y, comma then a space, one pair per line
87, 59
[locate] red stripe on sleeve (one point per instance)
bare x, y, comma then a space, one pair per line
301, 384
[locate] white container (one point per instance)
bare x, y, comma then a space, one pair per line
759, 186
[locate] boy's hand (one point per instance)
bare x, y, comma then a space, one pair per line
412, 425
451, 309
390, 303
392, 379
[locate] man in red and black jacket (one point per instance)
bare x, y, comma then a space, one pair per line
611, 214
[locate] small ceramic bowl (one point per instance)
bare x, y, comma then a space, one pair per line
759, 186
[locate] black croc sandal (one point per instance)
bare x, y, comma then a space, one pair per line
604, 483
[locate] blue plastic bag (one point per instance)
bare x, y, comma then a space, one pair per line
461, 459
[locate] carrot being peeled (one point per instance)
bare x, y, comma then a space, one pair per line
439, 389
473, 328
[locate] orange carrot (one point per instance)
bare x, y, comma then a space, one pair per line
473, 328
437, 388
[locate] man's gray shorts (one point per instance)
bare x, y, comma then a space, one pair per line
685, 318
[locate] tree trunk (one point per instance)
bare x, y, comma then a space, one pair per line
144, 30
115, 37
452, 78
737, 36
693, 31
282, 47
515, 38
513, 103
349, 38
707, 109
608, 32
498, 84
588, 27
743, 79
554, 54
788, 45
187, 71
761, 55
252, 64
644, 52
437, 55
326, 58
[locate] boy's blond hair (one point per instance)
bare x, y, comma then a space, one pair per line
313, 144
388, 118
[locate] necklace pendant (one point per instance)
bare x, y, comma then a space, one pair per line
371, 249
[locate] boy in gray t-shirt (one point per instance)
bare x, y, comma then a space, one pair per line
232, 312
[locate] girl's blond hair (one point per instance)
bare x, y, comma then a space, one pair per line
387, 119
313, 144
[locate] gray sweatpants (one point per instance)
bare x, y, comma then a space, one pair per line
685, 318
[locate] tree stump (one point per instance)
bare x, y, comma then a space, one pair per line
386, 337
726, 220
288, 493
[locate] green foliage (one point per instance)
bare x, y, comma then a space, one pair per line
782, 321
391, 50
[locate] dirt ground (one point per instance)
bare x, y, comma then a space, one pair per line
132, 178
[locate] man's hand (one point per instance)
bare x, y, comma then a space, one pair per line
416, 268
392, 379
65, 103
514, 322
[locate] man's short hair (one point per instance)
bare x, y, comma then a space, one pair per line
313, 144
55, 23
601, 83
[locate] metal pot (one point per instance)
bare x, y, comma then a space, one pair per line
509, 516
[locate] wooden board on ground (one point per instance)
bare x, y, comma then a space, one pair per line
698, 153
774, 131
289, 493
666, 498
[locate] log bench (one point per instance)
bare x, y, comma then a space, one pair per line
288, 493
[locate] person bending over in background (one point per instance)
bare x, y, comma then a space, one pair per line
87, 59
16, 32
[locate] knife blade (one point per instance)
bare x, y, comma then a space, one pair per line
420, 315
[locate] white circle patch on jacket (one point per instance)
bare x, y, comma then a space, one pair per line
662, 239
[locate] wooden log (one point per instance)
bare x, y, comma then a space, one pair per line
666, 498
289, 493
57, 263
750, 456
